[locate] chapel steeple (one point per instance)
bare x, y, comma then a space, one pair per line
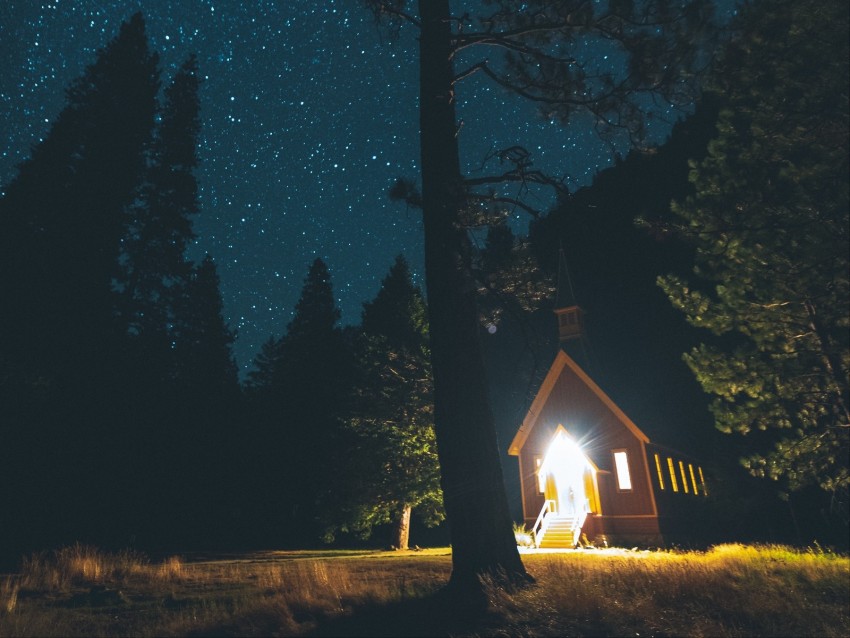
570, 315
572, 337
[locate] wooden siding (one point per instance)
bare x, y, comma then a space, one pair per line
568, 397
599, 431
628, 530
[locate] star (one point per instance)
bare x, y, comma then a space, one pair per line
309, 115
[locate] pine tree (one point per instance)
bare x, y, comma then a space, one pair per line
156, 270
201, 338
261, 377
392, 467
63, 219
769, 222
311, 348
300, 395
64, 213
398, 313
509, 276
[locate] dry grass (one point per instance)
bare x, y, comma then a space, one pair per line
731, 590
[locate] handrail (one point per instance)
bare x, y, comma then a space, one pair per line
541, 522
578, 521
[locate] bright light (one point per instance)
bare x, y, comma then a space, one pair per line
563, 452
624, 479
562, 474
660, 473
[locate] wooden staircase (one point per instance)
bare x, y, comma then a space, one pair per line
559, 532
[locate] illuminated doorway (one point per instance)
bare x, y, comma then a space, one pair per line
567, 477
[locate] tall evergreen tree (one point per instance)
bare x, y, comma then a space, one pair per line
64, 213
310, 350
769, 222
201, 338
110, 312
62, 222
156, 270
392, 468
300, 395
546, 61
261, 378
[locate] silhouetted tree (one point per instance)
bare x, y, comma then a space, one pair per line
62, 221
391, 466
116, 360
545, 61
202, 339
300, 394
769, 222
65, 212
156, 269
509, 276
261, 377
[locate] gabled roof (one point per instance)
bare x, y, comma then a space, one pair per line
563, 360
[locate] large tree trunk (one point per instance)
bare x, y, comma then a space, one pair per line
473, 486
401, 533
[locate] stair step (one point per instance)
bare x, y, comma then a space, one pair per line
559, 532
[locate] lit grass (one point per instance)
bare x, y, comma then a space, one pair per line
731, 590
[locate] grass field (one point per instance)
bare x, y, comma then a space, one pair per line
730, 590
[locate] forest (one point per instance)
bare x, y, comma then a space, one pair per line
126, 425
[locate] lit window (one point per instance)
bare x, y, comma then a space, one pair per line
702, 481
693, 478
673, 481
684, 477
541, 479
621, 463
660, 473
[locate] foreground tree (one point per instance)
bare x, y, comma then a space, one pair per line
542, 41
769, 222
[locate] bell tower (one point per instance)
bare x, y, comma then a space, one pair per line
570, 316
570, 323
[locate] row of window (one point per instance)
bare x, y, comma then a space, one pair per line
679, 476
676, 470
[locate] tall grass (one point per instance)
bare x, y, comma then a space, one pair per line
79, 564
731, 590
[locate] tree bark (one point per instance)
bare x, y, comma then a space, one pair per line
471, 474
401, 534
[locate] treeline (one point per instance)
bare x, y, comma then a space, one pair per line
117, 383
122, 420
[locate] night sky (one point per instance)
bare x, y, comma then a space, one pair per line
309, 114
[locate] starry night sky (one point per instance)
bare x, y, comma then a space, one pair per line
309, 115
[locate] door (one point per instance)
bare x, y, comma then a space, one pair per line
563, 470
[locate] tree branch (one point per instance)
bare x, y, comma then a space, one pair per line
380, 8
499, 199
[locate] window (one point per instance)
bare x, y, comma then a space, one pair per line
621, 464
541, 480
684, 477
702, 481
693, 478
672, 469
660, 473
